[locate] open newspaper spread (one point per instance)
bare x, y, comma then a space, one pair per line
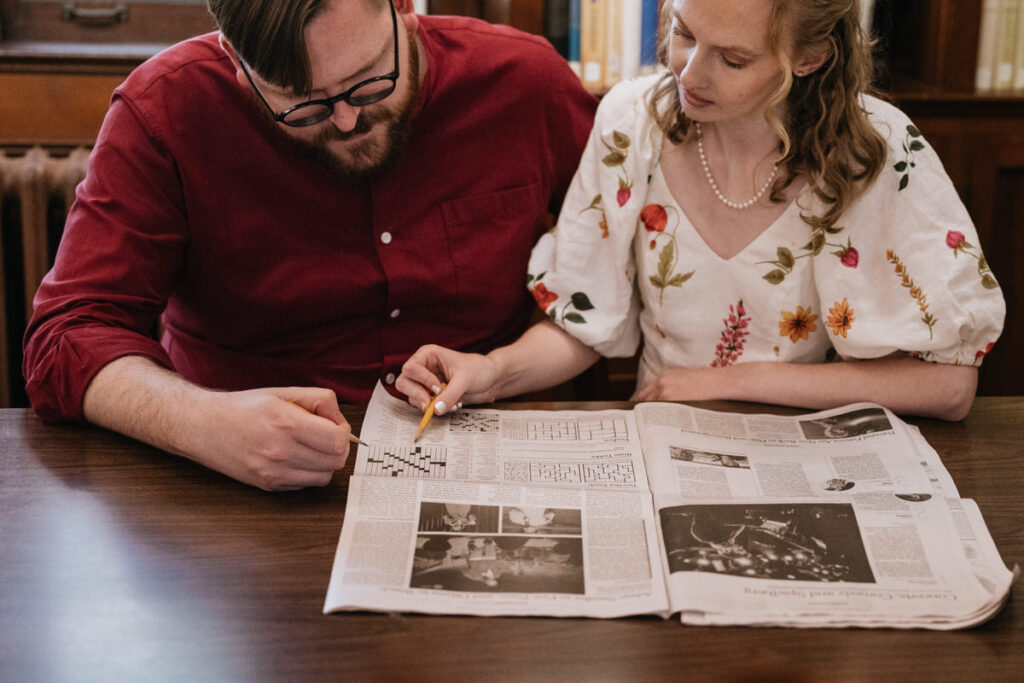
844, 517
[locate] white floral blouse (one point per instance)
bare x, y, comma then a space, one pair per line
902, 270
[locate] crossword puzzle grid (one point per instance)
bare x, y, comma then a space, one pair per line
571, 472
425, 462
481, 422
594, 429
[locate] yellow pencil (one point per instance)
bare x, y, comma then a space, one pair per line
427, 414
351, 437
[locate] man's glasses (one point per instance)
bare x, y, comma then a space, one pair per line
359, 95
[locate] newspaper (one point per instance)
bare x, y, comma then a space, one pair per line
839, 518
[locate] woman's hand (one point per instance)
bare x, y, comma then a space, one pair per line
470, 378
683, 384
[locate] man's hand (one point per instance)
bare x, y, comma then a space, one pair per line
277, 439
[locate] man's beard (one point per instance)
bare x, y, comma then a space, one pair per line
374, 155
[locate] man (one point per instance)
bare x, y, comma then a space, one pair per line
302, 200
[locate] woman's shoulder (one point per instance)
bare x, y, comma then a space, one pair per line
887, 118
627, 99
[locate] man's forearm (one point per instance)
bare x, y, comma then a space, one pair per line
141, 399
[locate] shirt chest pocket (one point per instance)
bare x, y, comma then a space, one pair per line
491, 236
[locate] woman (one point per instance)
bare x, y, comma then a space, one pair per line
752, 213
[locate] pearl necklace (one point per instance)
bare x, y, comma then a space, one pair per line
714, 186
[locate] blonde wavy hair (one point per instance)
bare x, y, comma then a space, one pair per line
826, 134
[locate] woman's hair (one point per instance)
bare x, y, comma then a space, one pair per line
827, 135
270, 36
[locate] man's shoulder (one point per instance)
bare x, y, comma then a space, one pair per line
484, 44
175, 61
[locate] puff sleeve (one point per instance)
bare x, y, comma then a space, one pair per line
582, 272
906, 273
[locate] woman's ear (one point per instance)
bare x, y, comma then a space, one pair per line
811, 61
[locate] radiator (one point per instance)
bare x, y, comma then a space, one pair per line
36, 190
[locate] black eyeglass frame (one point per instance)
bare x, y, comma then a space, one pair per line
345, 97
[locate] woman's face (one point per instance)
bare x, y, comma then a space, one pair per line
719, 53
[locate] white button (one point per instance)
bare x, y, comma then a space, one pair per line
390, 378
385, 237
395, 313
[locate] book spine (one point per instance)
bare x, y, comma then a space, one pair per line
649, 36
593, 38
574, 36
987, 45
632, 11
613, 47
1018, 75
1006, 43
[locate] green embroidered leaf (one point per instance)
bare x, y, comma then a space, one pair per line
621, 140
542, 275
575, 318
786, 259
581, 302
900, 166
904, 181
529, 278
657, 282
775, 277
817, 242
914, 132
680, 278
916, 145
614, 159
989, 282
982, 263
665, 261
833, 230
553, 314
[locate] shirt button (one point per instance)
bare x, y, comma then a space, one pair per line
389, 378
395, 313
385, 237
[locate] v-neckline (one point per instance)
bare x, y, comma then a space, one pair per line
660, 178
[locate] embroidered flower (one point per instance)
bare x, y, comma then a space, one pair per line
730, 346
955, 240
840, 317
797, 325
981, 353
543, 296
850, 258
654, 217
603, 224
624, 193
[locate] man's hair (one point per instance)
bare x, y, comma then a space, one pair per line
828, 135
270, 36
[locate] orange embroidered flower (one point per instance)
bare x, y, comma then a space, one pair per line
603, 224
840, 317
797, 325
654, 217
543, 296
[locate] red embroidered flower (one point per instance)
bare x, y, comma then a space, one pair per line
978, 355
543, 296
624, 193
954, 239
654, 217
849, 257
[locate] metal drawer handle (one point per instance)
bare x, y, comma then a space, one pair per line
94, 16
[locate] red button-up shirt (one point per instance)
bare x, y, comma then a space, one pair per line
270, 271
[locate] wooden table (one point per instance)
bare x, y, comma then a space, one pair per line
121, 563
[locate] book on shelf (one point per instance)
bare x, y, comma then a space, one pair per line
844, 517
593, 42
574, 36
1005, 50
648, 36
1018, 58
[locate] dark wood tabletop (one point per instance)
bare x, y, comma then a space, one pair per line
121, 563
